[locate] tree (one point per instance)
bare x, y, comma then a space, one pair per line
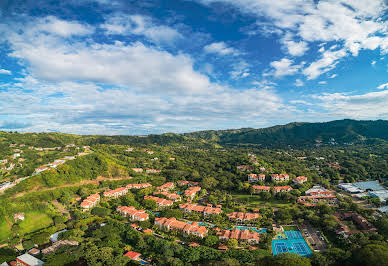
232, 243
41, 238
150, 204
211, 241
102, 212
372, 254
208, 183
290, 259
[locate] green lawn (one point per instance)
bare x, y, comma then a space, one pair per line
34, 221
5, 230
256, 201
290, 228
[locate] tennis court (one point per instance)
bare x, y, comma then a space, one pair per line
294, 243
293, 234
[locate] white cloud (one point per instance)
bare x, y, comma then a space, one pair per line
5, 71
371, 105
326, 63
284, 67
220, 48
322, 82
373, 63
333, 76
240, 70
121, 24
383, 86
294, 48
298, 83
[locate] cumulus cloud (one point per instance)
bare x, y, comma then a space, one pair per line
220, 48
121, 24
294, 48
284, 67
383, 86
298, 83
371, 105
5, 71
327, 62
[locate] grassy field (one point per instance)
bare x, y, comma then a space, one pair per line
290, 228
256, 201
34, 221
5, 230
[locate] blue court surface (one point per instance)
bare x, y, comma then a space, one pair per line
258, 230
294, 243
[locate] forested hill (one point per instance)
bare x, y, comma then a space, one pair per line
340, 131
295, 134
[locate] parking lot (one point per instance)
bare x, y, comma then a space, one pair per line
314, 237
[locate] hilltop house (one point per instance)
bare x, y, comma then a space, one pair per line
299, 179
118, 192
280, 178
90, 202
161, 202
132, 213
206, 210
242, 217
245, 235
282, 189
191, 192
261, 188
138, 186
171, 196
252, 178
166, 186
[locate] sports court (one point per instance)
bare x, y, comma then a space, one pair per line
294, 243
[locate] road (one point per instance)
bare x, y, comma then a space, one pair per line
313, 238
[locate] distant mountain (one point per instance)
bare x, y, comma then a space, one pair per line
340, 131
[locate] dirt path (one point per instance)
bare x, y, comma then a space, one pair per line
83, 182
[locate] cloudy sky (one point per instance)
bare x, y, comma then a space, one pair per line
139, 67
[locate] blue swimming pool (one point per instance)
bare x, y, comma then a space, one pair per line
260, 230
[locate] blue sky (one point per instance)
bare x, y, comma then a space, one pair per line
139, 67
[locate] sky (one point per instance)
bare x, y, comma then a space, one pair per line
141, 67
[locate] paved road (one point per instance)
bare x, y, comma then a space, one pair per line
314, 238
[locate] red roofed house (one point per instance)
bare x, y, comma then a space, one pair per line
245, 235
187, 183
189, 229
133, 255
282, 189
280, 178
133, 214
159, 201
152, 171
90, 201
138, 186
137, 170
118, 192
206, 210
261, 188
166, 186
243, 216
300, 179
255, 177
171, 196
191, 192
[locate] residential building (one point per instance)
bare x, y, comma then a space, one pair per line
282, 189
115, 193
28, 260
191, 192
206, 210
138, 186
90, 202
245, 235
261, 188
137, 170
280, 178
150, 152
161, 202
187, 228
133, 255
18, 216
166, 186
152, 171
242, 217
15, 155
171, 196
133, 214
41, 169
182, 183
245, 168
59, 244
300, 179
252, 178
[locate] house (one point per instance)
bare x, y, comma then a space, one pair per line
18, 216
130, 149
69, 158
166, 186
115, 193
59, 244
252, 178
172, 159
137, 170
138, 186
133, 255
15, 155
244, 168
28, 260
172, 223
299, 179
41, 169
206, 210
171, 196
150, 152
90, 202
133, 214
282, 189
34, 251
159, 201
244, 235
311, 201
191, 192
261, 188
242, 216
152, 171
182, 183
280, 178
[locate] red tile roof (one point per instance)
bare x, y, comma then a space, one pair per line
132, 255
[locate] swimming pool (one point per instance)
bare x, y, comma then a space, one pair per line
260, 230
